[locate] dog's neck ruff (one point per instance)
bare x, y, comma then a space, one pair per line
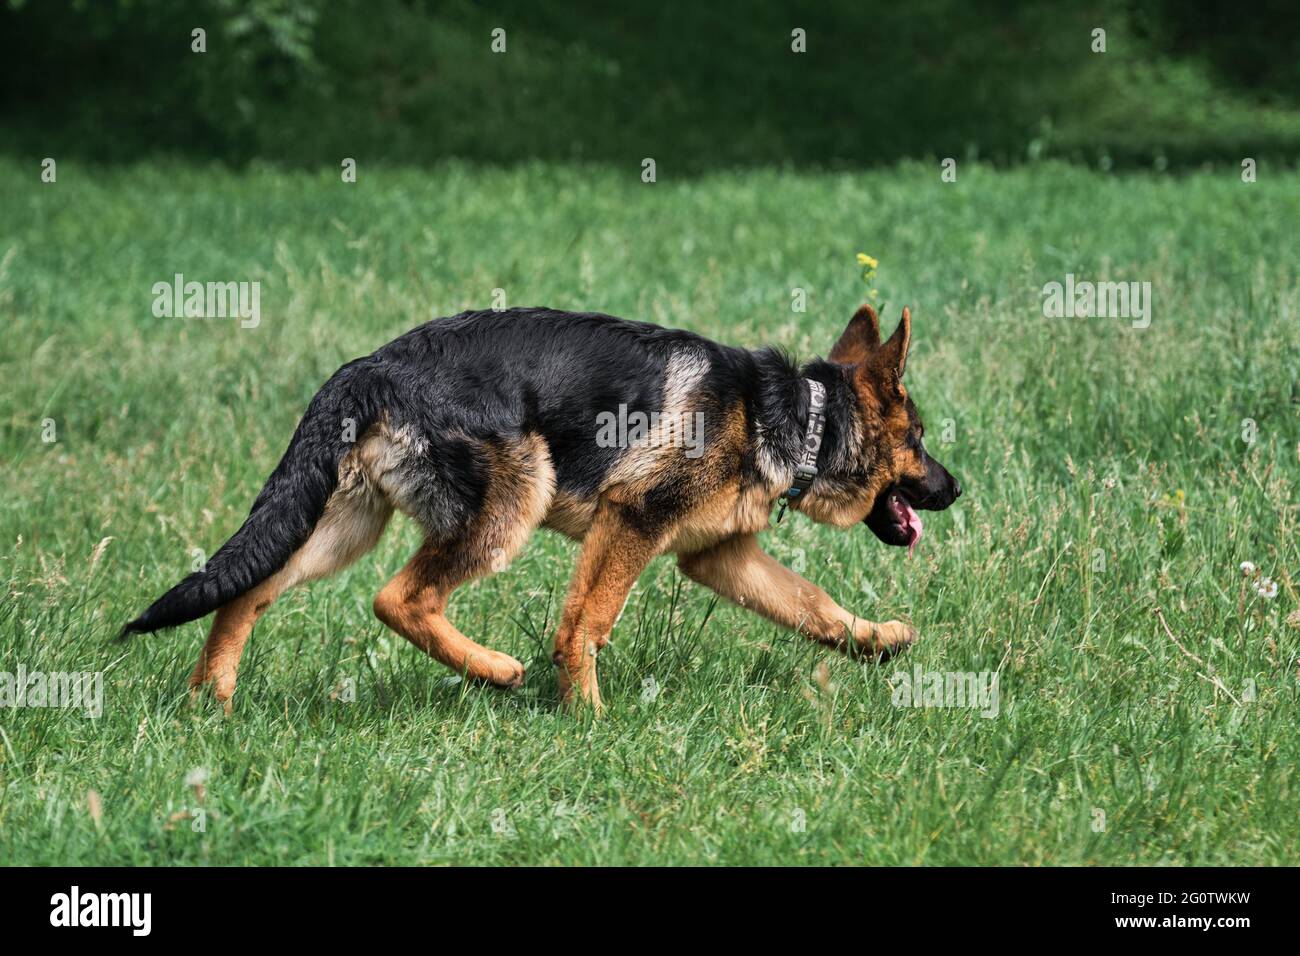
805, 469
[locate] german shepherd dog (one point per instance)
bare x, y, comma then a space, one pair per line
484, 425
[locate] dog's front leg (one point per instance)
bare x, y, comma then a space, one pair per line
741, 571
613, 556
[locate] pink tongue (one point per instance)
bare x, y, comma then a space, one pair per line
912, 521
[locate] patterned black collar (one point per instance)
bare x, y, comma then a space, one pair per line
805, 470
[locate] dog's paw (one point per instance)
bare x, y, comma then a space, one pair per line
887, 639
504, 672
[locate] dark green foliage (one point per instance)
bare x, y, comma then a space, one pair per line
696, 86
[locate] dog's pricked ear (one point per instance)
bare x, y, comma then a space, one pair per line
860, 338
892, 356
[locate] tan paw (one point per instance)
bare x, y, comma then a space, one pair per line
499, 670
223, 692
196, 693
885, 640
577, 703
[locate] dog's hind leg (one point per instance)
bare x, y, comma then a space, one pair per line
354, 518
521, 483
414, 604
218, 662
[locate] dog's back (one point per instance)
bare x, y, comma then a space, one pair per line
464, 416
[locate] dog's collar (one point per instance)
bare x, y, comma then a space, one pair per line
805, 469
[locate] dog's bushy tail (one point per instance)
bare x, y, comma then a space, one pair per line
289, 505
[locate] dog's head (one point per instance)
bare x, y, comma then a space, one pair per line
898, 475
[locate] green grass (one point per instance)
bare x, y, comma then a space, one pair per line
1072, 439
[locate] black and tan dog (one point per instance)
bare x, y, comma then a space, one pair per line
486, 425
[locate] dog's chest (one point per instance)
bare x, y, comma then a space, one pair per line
570, 515
725, 514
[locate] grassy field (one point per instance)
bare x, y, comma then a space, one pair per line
1105, 475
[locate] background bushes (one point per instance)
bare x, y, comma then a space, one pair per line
697, 86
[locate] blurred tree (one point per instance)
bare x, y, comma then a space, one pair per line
694, 85
1254, 46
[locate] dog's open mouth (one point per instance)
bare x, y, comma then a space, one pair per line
907, 519
894, 520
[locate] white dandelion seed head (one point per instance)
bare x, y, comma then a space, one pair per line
1247, 568
196, 777
1267, 589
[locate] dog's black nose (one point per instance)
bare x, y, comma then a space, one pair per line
956, 486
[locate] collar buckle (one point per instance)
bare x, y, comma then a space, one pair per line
804, 476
